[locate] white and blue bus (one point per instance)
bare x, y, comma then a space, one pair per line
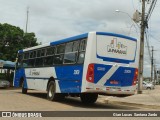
85, 66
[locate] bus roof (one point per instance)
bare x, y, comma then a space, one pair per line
116, 35
75, 38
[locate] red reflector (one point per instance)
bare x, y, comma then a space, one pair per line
135, 77
97, 88
88, 88
90, 73
107, 88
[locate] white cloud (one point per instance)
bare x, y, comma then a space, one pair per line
56, 19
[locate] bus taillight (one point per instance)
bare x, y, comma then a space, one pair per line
135, 77
90, 73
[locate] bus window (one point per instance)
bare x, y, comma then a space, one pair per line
83, 45
31, 54
60, 49
68, 47
39, 62
31, 62
39, 53
70, 57
26, 55
58, 59
82, 49
25, 63
34, 54
81, 57
43, 52
48, 61
50, 51
76, 46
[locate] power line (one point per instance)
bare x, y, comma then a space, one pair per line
148, 46
153, 4
154, 37
133, 5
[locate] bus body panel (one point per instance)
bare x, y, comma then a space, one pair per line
114, 70
123, 76
70, 78
115, 59
19, 74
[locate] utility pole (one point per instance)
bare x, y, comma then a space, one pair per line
141, 57
152, 64
27, 19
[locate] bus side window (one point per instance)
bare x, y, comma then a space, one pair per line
43, 52
76, 45
81, 57
50, 51
39, 53
25, 63
83, 45
39, 62
69, 47
31, 54
60, 49
31, 62
26, 55
48, 60
71, 52
34, 54
82, 49
25, 59
58, 57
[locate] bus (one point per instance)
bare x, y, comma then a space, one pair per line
84, 66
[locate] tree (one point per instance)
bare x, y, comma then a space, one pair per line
12, 39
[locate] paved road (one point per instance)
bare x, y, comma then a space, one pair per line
14, 100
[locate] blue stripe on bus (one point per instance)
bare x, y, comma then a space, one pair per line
20, 73
123, 79
100, 70
37, 78
121, 76
116, 35
69, 39
70, 78
116, 60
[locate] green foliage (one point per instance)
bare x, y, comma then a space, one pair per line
2, 76
12, 39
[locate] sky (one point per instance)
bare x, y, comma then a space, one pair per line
51, 20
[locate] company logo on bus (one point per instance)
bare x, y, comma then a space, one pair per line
117, 47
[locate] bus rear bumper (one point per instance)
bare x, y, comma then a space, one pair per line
131, 90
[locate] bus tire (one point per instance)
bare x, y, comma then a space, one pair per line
51, 95
89, 98
24, 90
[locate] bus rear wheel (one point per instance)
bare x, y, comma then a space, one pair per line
24, 90
89, 98
51, 92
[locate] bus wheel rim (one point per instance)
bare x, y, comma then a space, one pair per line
51, 90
